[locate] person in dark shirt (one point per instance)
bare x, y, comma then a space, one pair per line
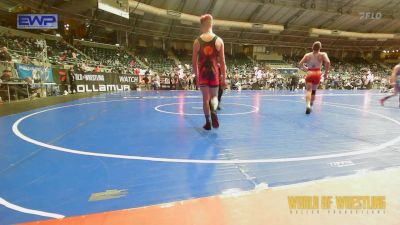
171, 82
195, 83
146, 82
294, 82
72, 81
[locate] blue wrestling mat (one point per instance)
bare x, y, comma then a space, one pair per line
125, 150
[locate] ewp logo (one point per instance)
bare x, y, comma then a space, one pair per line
37, 21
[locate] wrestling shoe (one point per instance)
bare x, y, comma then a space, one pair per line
214, 119
308, 110
207, 126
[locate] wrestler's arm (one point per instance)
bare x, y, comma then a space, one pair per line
222, 62
327, 65
303, 61
394, 74
196, 47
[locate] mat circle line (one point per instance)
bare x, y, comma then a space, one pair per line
17, 132
158, 109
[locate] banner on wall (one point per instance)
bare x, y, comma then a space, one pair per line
99, 82
36, 73
60, 76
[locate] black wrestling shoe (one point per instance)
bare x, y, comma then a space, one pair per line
207, 126
214, 119
308, 110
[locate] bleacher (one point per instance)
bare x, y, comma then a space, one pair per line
29, 49
156, 59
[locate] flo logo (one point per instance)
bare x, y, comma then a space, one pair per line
371, 15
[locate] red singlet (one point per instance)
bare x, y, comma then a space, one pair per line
208, 63
314, 76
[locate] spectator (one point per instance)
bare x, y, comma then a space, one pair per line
156, 82
370, 79
294, 82
97, 69
4, 55
146, 82
72, 81
25, 60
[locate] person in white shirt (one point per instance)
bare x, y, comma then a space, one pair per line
156, 82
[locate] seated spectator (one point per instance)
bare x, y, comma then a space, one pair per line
4, 55
97, 69
25, 60
5, 77
63, 56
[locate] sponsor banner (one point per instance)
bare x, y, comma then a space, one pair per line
60, 76
99, 82
128, 79
36, 73
102, 87
94, 78
37, 21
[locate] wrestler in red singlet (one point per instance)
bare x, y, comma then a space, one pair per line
314, 61
208, 52
395, 81
208, 63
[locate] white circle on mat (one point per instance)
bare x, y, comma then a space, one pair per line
252, 109
377, 148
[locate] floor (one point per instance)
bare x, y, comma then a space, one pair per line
128, 150
265, 206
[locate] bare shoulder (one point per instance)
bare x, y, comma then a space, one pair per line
196, 45
220, 40
324, 54
219, 43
